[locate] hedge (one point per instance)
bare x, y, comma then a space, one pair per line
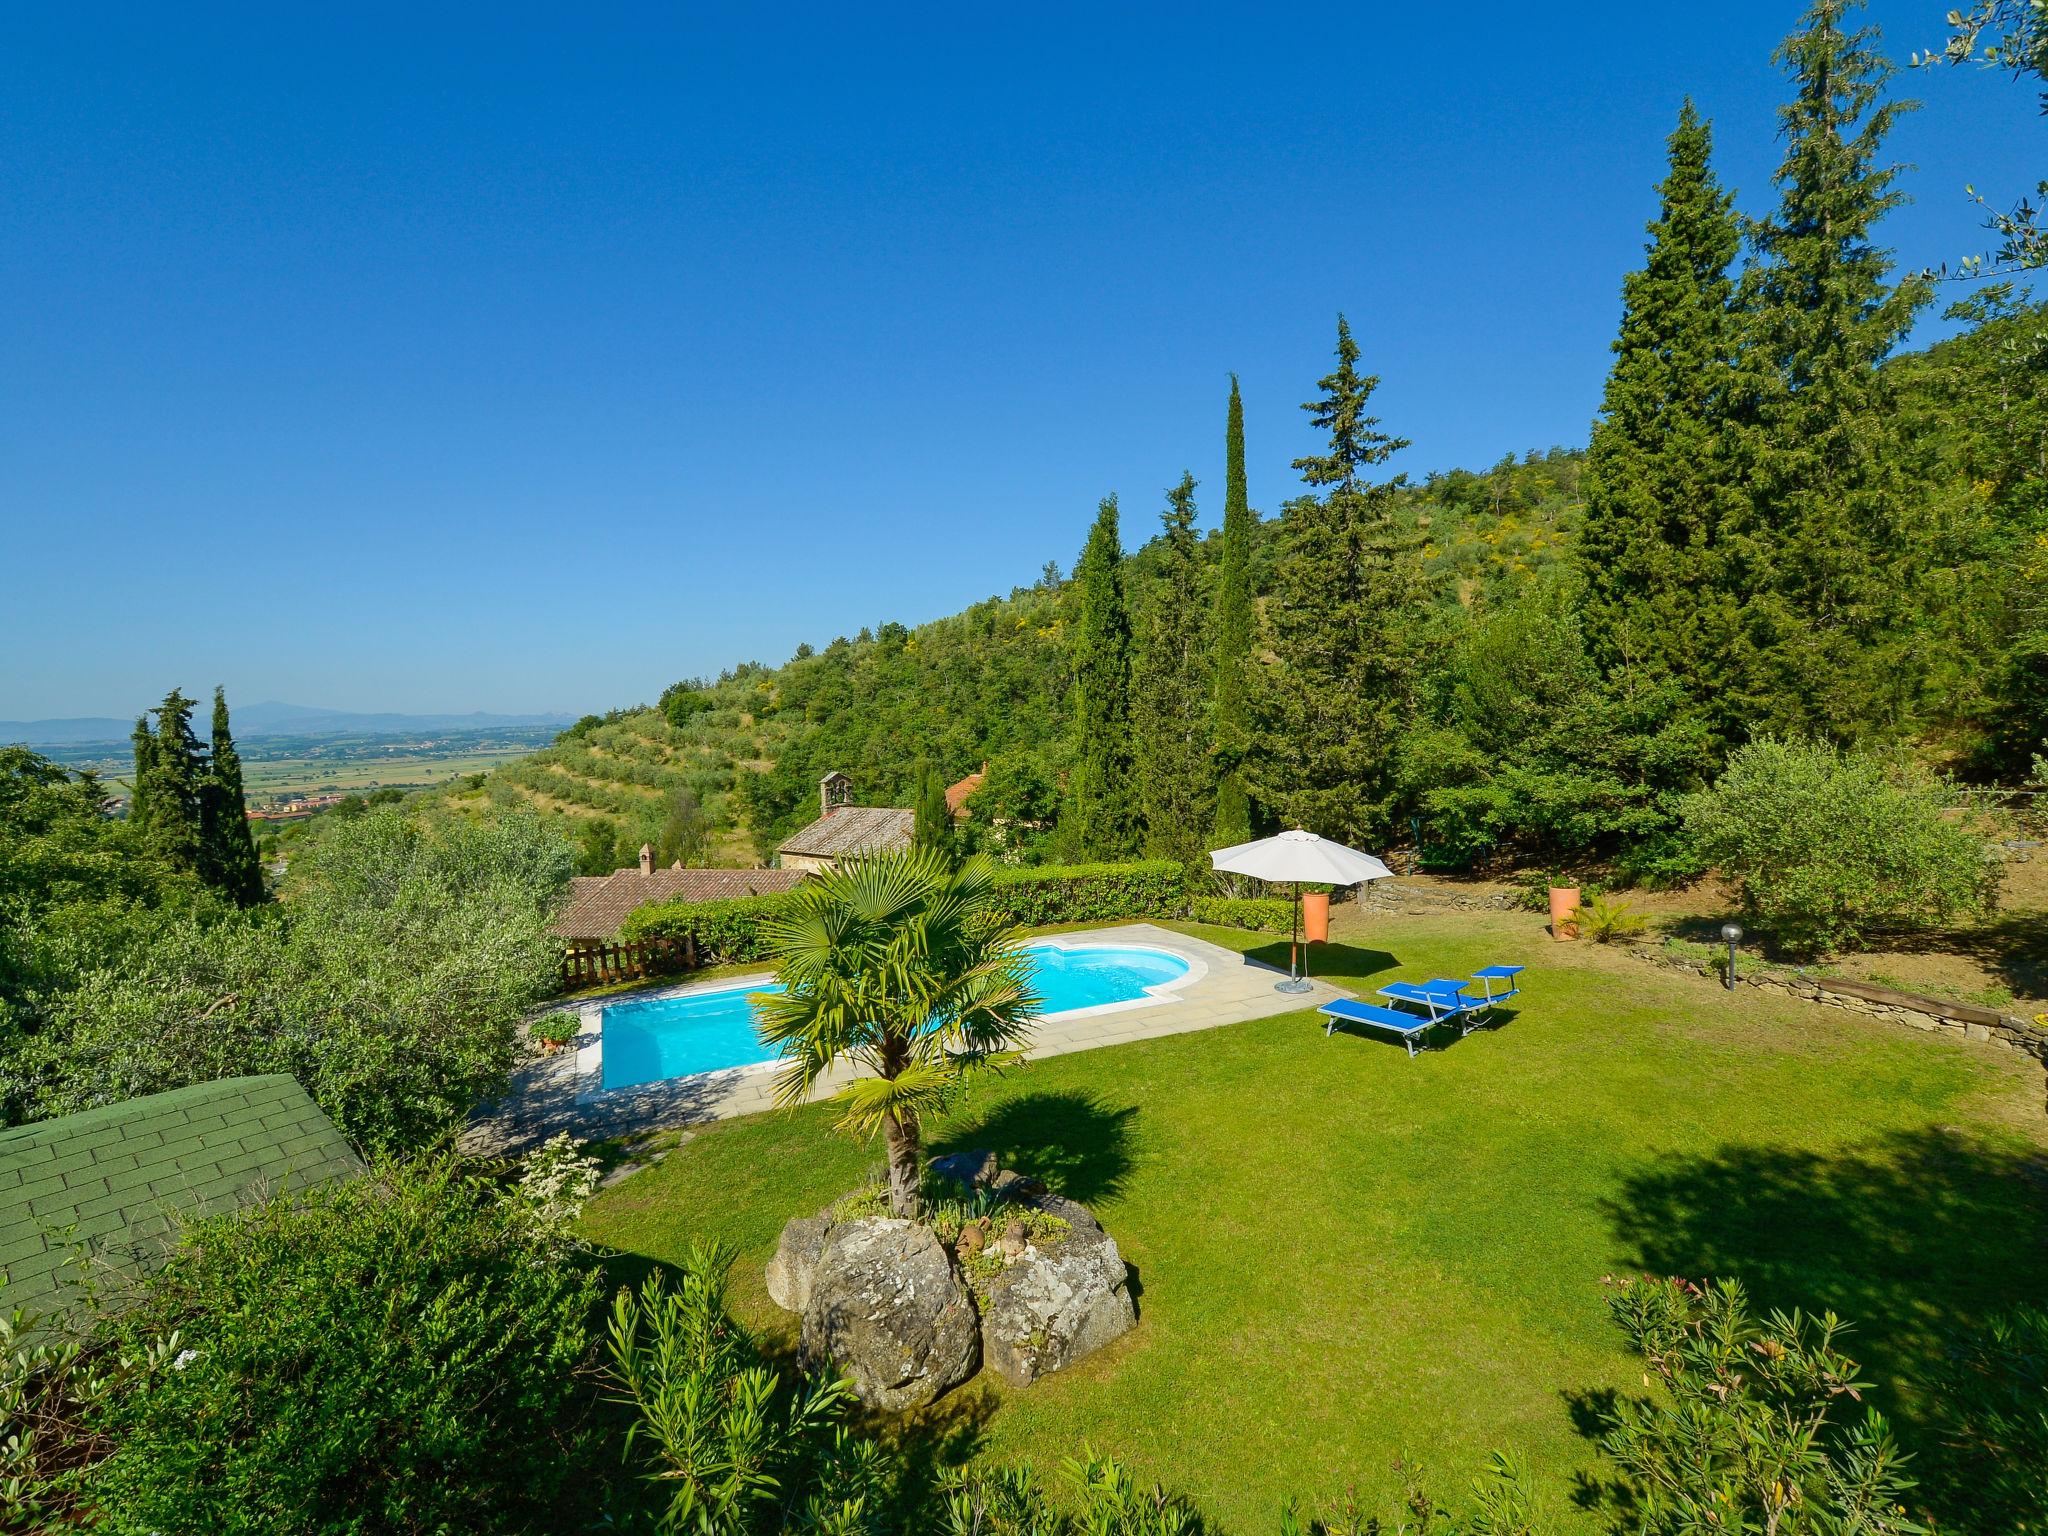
1259, 914
730, 932
1091, 893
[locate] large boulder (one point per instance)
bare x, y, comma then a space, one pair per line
796, 1260
886, 1307
1065, 1297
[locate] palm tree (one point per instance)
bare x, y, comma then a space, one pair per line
896, 963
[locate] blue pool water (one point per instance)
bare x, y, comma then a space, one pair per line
662, 1037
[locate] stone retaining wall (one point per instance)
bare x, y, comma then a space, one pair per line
1966, 1021
1393, 896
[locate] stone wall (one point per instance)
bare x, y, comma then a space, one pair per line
1936, 1015
1401, 895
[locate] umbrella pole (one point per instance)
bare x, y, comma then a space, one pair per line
1294, 983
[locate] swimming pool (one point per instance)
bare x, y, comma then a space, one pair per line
648, 1040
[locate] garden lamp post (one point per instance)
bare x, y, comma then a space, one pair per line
1732, 932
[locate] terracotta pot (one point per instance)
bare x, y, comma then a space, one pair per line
1315, 916
1564, 911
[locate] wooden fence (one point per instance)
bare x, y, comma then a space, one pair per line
591, 965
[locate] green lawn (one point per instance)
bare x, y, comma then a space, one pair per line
1345, 1257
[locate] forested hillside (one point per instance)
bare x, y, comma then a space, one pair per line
721, 769
1782, 527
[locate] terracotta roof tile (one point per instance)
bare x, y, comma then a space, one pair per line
598, 904
956, 794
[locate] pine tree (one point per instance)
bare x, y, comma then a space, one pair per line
169, 787
1344, 625
1823, 550
1235, 618
934, 828
1170, 705
230, 862
1661, 601
1101, 818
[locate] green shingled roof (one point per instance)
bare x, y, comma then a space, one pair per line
112, 1180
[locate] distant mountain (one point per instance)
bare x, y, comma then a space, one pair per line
273, 719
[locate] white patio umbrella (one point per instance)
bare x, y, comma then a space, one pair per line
1297, 856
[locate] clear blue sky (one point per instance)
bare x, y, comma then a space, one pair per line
531, 357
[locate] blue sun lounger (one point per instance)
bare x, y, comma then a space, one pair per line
1447, 1002
1500, 973
1349, 1010
1439, 995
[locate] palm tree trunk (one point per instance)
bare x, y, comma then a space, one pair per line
900, 1137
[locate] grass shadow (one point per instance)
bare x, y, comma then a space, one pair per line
925, 1446
1326, 962
1912, 1237
1079, 1143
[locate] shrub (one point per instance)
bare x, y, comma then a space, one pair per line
48, 1382
733, 931
1532, 888
733, 1447
1824, 846
1747, 1433
1604, 921
1091, 893
1662, 862
558, 1027
1258, 914
403, 1352
391, 985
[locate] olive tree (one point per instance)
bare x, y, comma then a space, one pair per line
1824, 846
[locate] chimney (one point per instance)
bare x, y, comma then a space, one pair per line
647, 858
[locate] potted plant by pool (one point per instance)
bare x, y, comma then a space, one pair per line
555, 1030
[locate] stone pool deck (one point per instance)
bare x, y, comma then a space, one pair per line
562, 1093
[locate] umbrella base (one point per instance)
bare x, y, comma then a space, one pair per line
1294, 984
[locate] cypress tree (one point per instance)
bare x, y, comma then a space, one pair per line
177, 771
1660, 604
1343, 625
1101, 816
1824, 547
934, 827
142, 799
1170, 708
1234, 621
231, 862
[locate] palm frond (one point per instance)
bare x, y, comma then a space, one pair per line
917, 1090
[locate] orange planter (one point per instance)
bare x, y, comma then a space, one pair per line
1564, 911
1315, 917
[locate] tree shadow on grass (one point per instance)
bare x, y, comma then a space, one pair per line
1339, 963
1078, 1142
926, 1445
1912, 1237
2011, 946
